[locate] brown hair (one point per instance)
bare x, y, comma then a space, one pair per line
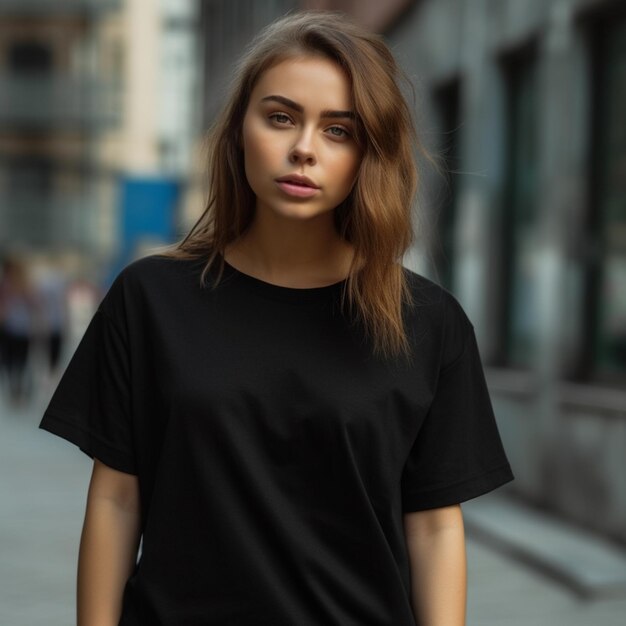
376, 216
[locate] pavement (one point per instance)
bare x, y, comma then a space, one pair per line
589, 565
525, 568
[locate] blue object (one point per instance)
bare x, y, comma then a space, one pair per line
147, 213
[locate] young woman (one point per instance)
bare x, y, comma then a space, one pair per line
285, 415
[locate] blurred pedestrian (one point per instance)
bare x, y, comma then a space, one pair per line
18, 309
52, 297
3, 287
285, 415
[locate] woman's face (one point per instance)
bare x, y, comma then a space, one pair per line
300, 123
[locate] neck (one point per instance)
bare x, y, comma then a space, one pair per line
283, 250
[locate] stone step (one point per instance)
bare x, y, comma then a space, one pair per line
589, 564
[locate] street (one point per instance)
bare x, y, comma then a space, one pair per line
43, 484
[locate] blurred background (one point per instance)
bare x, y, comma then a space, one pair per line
103, 109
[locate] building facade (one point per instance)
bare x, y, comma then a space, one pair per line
56, 93
99, 115
524, 103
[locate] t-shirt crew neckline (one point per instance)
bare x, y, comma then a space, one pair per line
280, 292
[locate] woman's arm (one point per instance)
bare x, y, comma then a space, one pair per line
108, 545
436, 544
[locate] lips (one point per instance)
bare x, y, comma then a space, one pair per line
297, 179
297, 186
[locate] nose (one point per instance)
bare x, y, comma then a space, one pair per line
303, 150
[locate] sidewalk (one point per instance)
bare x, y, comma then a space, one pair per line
524, 569
43, 485
589, 565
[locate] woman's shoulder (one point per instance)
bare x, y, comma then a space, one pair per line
436, 311
154, 270
151, 278
158, 264
427, 293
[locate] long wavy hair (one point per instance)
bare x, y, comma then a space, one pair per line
376, 217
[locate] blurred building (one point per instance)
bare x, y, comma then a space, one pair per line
98, 117
525, 102
58, 90
162, 121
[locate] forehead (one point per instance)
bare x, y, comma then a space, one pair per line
314, 82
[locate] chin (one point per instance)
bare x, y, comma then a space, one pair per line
300, 211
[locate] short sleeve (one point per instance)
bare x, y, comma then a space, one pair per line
91, 404
458, 453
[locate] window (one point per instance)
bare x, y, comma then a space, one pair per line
29, 57
447, 109
606, 302
520, 215
27, 199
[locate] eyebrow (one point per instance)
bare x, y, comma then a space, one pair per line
300, 109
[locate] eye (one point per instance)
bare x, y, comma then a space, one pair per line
280, 118
339, 132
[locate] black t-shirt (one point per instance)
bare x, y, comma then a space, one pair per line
275, 454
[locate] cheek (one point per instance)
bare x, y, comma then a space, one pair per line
260, 154
349, 168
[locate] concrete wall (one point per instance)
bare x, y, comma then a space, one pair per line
565, 436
